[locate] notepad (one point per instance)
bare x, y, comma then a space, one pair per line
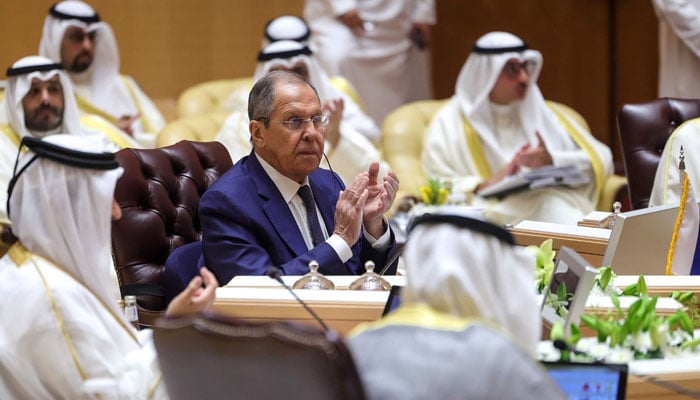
536, 178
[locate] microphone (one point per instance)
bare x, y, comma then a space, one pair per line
562, 345
276, 274
336, 179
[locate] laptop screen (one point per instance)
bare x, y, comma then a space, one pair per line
589, 381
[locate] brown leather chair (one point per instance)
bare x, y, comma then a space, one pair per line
159, 196
644, 129
209, 356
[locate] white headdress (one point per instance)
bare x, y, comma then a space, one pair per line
19, 82
469, 268
106, 89
288, 53
63, 212
287, 27
477, 78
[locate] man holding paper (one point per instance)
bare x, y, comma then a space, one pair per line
498, 124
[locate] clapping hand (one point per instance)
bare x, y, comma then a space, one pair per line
380, 198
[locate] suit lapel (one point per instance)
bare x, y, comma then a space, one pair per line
276, 209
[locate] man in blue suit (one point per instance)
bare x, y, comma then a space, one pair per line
257, 214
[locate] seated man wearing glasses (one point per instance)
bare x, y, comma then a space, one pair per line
276, 207
498, 124
347, 147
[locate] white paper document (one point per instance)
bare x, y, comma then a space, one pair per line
536, 178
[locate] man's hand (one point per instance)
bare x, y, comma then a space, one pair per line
513, 167
352, 19
348, 209
334, 109
194, 298
527, 156
124, 123
535, 157
380, 199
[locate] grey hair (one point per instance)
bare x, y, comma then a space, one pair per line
262, 95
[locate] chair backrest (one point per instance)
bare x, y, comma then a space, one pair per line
197, 128
159, 194
644, 129
212, 357
403, 134
208, 96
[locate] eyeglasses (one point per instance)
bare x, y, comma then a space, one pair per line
513, 68
297, 124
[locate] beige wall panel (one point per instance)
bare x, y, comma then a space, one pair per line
167, 45
637, 56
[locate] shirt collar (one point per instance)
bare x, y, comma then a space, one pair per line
287, 187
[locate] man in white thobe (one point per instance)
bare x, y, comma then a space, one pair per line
498, 124
380, 46
75, 36
679, 47
347, 146
468, 320
38, 102
668, 181
62, 334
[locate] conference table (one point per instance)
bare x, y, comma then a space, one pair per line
259, 298
262, 299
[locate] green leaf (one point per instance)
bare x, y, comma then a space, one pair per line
673, 321
615, 300
685, 322
575, 335
655, 335
691, 344
557, 331
630, 290
686, 297
605, 276
641, 285
561, 292
634, 307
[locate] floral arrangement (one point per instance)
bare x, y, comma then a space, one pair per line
635, 333
544, 263
621, 335
435, 193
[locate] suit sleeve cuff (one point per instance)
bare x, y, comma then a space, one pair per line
341, 248
383, 242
